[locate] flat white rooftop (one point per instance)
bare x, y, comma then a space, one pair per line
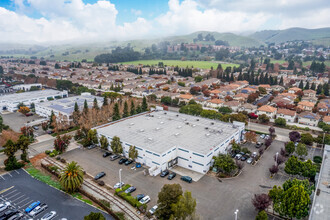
67, 105
160, 131
24, 96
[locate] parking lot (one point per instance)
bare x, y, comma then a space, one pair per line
215, 200
20, 189
16, 120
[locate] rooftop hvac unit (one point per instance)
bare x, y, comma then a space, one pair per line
207, 135
206, 128
141, 130
162, 122
187, 123
177, 115
177, 134
197, 119
165, 113
212, 123
194, 125
157, 129
150, 139
179, 126
131, 124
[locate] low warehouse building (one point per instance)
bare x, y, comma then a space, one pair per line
164, 139
9, 102
65, 107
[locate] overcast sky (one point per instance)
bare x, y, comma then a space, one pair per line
58, 21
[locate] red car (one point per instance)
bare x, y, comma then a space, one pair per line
252, 115
28, 114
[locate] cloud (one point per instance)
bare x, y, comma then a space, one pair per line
74, 20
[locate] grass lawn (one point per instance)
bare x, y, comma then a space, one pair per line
80, 197
198, 64
37, 174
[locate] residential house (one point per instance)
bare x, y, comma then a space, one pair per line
306, 106
214, 103
267, 110
248, 108
293, 90
201, 100
266, 86
309, 93
185, 97
288, 115
324, 106
326, 119
308, 118
241, 97
234, 105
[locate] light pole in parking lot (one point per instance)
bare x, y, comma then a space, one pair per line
120, 177
236, 213
276, 156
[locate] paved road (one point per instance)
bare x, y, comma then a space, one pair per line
215, 200
21, 189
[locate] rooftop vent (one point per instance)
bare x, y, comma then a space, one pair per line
177, 115
212, 123
157, 129
197, 119
177, 134
131, 124
187, 123
142, 130
162, 122
159, 117
207, 135
165, 113
206, 128
194, 125
149, 139
179, 126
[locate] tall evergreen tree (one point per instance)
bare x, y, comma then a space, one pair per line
105, 101
232, 77
319, 89
133, 111
275, 81
95, 105
301, 85
313, 86
307, 85
326, 89
76, 107
85, 106
125, 113
116, 114
281, 81
144, 106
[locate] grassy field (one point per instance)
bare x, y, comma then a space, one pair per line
197, 64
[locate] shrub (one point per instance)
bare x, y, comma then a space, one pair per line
307, 129
52, 155
100, 182
317, 159
47, 152
63, 160
58, 158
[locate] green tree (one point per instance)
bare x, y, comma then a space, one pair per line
85, 107
132, 152
95, 105
105, 101
76, 107
225, 163
225, 110
280, 122
193, 109
293, 166
116, 114
289, 147
185, 207
308, 169
301, 85
72, 177
263, 118
319, 89
198, 79
132, 111
166, 100
169, 195
307, 138
116, 146
52, 119
262, 215
125, 112
144, 104
262, 90
94, 216
104, 142
301, 150
23, 144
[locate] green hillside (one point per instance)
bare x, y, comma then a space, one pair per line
278, 36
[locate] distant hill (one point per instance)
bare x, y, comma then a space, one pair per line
321, 35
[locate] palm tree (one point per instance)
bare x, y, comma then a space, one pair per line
72, 177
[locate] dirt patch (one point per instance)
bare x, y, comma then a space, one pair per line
36, 160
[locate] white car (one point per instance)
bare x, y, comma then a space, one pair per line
153, 209
145, 200
262, 136
38, 209
4, 206
250, 160
118, 185
49, 215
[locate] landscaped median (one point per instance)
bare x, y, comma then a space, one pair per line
130, 199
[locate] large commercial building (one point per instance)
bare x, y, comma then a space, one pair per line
164, 139
65, 107
9, 102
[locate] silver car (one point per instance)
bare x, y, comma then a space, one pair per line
38, 210
4, 206
238, 156
250, 160
49, 215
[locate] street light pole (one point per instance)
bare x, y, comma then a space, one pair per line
323, 139
276, 156
120, 177
236, 213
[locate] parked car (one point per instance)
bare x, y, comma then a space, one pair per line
91, 146
145, 200
238, 156
153, 209
28, 114
138, 165
106, 154
128, 162
233, 154
50, 132
17, 216
250, 160
4, 206
130, 189
254, 154
118, 185
7, 214
38, 209
267, 136
32, 206
35, 127
244, 157
259, 144
186, 178
114, 157
164, 173
122, 160
262, 136
49, 215
171, 176
99, 175
139, 197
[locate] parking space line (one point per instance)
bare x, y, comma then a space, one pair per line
10, 193
2, 177
16, 171
5, 190
26, 203
13, 195
9, 174
17, 198
22, 200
